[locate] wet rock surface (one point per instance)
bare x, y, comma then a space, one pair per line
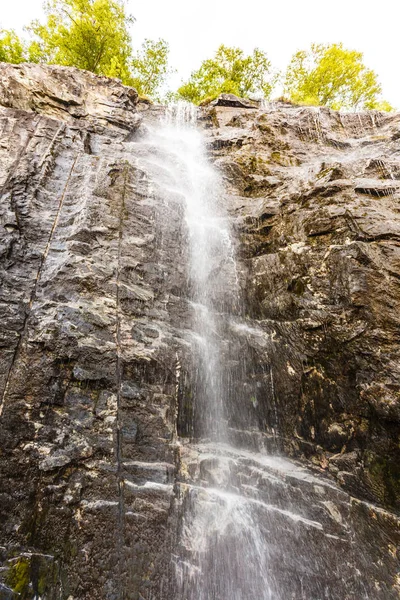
96, 370
308, 537
317, 208
86, 409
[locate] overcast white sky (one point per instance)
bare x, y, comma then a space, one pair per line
194, 30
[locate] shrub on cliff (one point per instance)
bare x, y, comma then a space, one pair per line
231, 72
150, 68
91, 35
12, 49
88, 34
330, 75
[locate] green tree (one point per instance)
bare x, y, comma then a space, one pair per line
330, 75
88, 34
230, 71
150, 68
12, 49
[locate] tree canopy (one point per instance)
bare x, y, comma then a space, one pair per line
88, 34
330, 75
91, 35
150, 68
230, 71
11, 48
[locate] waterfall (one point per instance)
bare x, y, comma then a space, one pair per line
251, 525
211, 273
222, 553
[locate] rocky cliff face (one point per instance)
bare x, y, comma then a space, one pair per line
316, 199
96, 372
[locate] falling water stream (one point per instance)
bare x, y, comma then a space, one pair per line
251, 524
226, 551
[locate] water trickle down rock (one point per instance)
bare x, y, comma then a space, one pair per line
109, 487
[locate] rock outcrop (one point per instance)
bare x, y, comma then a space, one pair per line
316, 196
94, 324
74, 278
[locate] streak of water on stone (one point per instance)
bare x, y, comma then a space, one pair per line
250, 524
219, 528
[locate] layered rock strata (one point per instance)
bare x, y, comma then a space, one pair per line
95, 368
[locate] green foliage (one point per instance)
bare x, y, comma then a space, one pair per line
330, 75
11, 48
150, 68
230, 71
88, 34
93, 35
382, 105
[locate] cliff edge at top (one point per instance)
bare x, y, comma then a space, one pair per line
68, 94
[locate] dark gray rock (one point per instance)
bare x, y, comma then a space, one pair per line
324, 260
96, 374
79, 395
232, 100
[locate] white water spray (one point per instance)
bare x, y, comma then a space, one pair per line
223, 554
251, 526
